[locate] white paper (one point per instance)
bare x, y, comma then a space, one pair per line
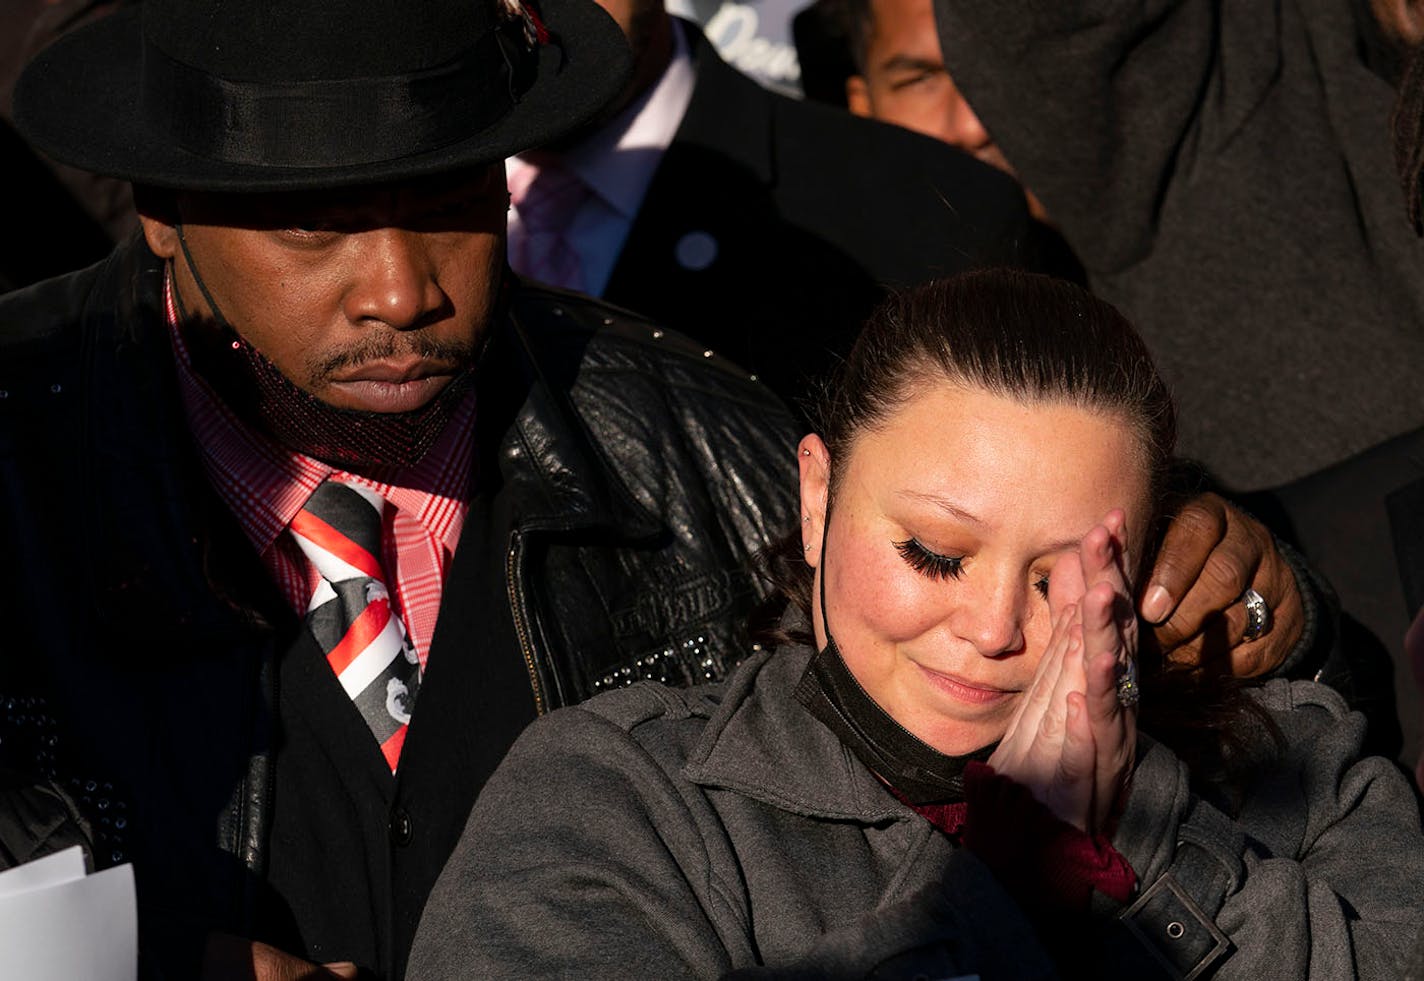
65, 866
84, 928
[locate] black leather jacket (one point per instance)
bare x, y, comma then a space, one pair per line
137, 667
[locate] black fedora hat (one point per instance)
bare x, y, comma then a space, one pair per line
271, 95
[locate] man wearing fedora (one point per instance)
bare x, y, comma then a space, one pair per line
304, 456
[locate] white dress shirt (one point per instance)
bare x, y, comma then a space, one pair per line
617, 163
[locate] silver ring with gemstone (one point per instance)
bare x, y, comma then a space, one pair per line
1258, 616
1128, 690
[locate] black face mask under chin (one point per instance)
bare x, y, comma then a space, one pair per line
828, 690
364, 441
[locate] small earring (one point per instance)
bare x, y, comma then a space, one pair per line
806, 547
805, 519
805, 452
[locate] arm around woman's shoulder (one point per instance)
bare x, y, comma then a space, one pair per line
1317, 873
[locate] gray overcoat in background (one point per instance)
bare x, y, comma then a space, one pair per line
1224, 170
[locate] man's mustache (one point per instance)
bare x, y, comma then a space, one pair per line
392, 347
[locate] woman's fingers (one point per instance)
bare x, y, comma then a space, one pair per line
1108, 655
1069, 680
1028, 715
1104, 554
1109, 619
1100, 689
1116, 524
1109, 650
1096, 553
1065, 583
1101, 633
1070, 740
1045, 756
1114, 736
1074, 787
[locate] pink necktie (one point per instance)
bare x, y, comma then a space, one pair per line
547, 196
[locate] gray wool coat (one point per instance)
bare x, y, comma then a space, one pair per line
653, 832
1224, 170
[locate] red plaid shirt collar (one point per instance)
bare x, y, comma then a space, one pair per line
266, 484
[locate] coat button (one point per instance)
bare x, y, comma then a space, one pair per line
695, 251
401, 827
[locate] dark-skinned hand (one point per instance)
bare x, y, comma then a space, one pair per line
229, 958
1209, 555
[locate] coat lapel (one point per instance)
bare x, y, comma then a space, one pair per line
681, 244
761, 743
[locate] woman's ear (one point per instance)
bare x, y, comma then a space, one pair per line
815, 463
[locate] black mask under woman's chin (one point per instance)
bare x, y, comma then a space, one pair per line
255, 388
828, 690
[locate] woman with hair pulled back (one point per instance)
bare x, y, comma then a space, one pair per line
941, 763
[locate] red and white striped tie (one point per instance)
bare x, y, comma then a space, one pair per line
350, 614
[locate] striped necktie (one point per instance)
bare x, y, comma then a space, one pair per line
350, 615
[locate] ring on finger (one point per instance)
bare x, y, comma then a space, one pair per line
1128, 690
1258, 615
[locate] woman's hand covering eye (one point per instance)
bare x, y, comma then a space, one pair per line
1071, 741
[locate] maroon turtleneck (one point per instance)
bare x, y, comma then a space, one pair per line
1046, 864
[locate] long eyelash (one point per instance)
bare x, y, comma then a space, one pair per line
1041, 584
932, 565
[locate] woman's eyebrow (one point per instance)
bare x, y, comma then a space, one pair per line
945, 505
968, 517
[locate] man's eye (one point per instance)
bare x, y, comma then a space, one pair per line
918, 78
308, 233
929, 564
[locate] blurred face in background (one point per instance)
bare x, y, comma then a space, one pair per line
903, 81
1402, 21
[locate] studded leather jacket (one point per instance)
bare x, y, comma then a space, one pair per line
138, 660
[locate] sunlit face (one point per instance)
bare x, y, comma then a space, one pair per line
369, 299
947, 522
